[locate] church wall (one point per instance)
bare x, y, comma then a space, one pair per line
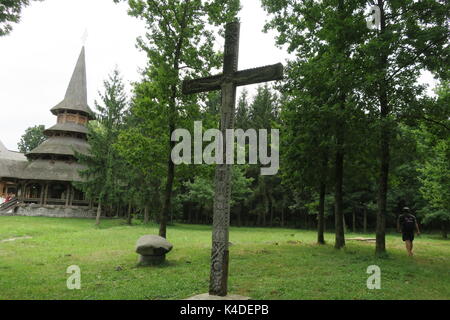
2, 190
72, 118
51, 211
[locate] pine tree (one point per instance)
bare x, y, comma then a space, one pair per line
104, 175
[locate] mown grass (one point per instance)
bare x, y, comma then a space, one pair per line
264, 263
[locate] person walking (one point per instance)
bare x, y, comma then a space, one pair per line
407, 224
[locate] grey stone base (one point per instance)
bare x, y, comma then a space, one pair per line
145, 261
34, 210
207, 296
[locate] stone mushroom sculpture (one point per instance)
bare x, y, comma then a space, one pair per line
152, 250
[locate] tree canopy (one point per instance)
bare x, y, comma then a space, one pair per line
32, 138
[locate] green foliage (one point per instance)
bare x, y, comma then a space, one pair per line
241, 185
435, 179
349, 87
179, 44
10, 12
329, 104
200, 191
323, 115
441, 216
105, 172
32, 138
433, 168
141, 141
264, 109
242, 112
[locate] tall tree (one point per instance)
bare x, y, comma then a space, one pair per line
434, 146
263, 113
105, 167
435, 179
179, 43
242, 111
412, 36
324, 34
307, 146
32, 137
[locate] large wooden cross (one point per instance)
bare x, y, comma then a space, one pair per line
227, 82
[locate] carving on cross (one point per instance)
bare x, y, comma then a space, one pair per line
227, 83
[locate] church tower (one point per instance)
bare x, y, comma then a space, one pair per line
44, 184
70, 132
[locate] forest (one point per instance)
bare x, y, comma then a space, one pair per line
360, 136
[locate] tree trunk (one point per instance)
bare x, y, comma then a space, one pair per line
339, 161
354, 220
167, 192
365, 220
444, 230
189, 211
321, 215
258, 218
338, 202
197, 209
382, 193
129, 216
266, 209
344, 224
240, 213
146, 218
172, 114
283, 211
99, 212
380, 247
271, 210
305, 220
200, 214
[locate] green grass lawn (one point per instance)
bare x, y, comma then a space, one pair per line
264, 263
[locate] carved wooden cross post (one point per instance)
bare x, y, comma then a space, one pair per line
227, 82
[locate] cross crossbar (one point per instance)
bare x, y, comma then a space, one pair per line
240, 78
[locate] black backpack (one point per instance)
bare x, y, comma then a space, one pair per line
409, 222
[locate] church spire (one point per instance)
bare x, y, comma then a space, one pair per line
76, 94
70, 132
77, 89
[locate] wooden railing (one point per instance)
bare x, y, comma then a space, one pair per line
11, 204
60, 202
32, 200
49, 201
82, 203
57, 202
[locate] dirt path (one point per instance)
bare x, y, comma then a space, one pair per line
14, 239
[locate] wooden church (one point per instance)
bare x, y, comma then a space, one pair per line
41, 181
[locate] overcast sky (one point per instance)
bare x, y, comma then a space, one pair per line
37, 59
